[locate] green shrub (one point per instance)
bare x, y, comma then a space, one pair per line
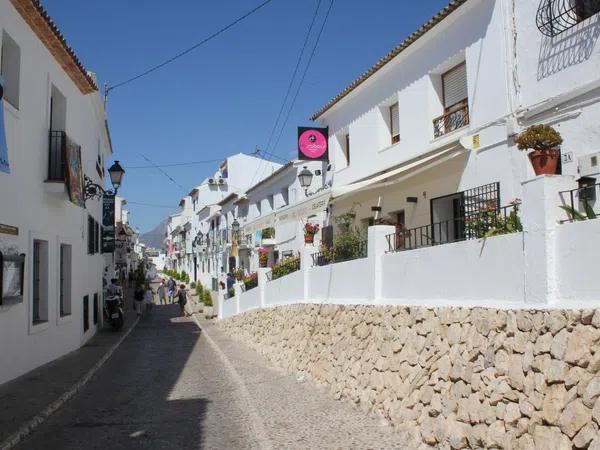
207, 298
199, 289
542, 137
286, 267
192, 285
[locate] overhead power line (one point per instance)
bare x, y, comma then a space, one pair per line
149, 205
303, 75
164, 173
291, 83
190, 163
188, 50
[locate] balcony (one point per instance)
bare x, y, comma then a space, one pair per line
454, 119
57, 156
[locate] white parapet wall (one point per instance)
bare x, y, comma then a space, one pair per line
549, 264
490, 270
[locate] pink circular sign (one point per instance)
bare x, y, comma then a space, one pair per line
312, 144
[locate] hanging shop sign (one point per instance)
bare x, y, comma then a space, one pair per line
313, 144
4, 166
108, 223
75, 174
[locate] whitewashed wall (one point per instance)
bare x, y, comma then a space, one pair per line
479, 270
349, 281
250, 299
578, 250
42, 213
288, 289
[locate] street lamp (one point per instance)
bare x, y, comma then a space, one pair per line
305, 177
93, 190
235, 226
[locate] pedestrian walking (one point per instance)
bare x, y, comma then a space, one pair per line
171, 287
162, 292
148, 297
138, 296
182, 296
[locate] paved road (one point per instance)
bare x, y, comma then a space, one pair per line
172, 386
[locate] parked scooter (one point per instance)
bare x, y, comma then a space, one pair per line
113, 311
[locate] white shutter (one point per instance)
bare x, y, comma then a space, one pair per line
394, 120
455, 85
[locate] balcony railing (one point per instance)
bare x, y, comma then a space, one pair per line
483, 224
57, 156
335, 255
582, 203
452, 120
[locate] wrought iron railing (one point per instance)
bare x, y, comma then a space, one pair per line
555, 16
335, 255
483, 224
454, 119
57, 156
581, 203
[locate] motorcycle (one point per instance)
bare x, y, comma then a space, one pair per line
113, 311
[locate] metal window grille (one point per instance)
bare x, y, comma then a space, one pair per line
86, 313
95, 309
36, 281
62, 281
556, 16
57, 152
91, 237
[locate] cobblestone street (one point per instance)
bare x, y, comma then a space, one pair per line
170, 385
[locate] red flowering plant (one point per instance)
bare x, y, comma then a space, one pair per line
251, 281
311, 229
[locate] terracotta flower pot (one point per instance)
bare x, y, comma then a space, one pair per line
544, 162
309, 238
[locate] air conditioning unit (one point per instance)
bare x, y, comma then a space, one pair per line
589, 165
211, 181
221, 181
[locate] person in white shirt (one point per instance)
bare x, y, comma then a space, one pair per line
148, 297
162, 292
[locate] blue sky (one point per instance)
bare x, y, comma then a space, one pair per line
224, 97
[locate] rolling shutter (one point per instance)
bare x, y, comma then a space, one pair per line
455, 85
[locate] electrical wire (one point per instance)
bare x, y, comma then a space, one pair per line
164, 173
149, 204
188, 50
207, 161
291, 83
304, 74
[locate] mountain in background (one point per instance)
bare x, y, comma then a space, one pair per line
155, 237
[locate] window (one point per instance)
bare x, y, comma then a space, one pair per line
93, 236
86, 313
40, 282
65, 280
394, 123
344, 141
10, 68
455, 101
95, 312
585, 9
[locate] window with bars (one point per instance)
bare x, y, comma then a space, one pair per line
86, 313
95, 312
394, 123
39, 282
65, 280
555, 16
93, 236
455, 99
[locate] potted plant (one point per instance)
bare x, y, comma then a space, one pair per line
544, 141
251, 281
309, 232
263, 256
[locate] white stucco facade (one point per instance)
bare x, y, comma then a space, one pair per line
60, 309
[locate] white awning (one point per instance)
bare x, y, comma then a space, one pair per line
259, 224
420, 164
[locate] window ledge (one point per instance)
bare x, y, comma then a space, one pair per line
11, 109
389, 147
38, 327
64, 320
452, 135
55, 187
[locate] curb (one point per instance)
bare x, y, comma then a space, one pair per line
253, 416
29, 426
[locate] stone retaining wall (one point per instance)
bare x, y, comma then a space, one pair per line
450, 377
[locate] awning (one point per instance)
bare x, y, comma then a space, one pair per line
420, 164
259, 224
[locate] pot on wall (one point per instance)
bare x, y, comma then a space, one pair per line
309, 238
544, 161
263, 260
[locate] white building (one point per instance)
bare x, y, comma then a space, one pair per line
51, 110
424, 138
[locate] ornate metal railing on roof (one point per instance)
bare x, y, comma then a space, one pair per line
555, 16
